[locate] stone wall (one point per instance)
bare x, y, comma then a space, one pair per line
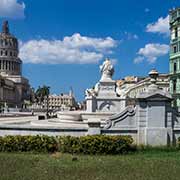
151, 122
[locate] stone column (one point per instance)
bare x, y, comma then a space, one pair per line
94, 126
11, 66
91, 104
8, 65
178, 85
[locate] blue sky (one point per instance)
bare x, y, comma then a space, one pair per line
63, 42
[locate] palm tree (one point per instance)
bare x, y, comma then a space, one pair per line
41, 94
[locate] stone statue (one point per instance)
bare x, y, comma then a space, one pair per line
92, 91
107, 70
5, 27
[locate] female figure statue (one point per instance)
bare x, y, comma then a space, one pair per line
107, 70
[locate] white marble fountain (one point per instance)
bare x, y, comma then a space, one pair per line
151, 122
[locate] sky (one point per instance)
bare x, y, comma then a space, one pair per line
63, 42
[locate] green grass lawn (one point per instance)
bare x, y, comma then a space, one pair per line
145, 165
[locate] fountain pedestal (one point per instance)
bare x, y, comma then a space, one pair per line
104, 97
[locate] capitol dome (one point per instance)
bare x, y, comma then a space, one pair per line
10, 64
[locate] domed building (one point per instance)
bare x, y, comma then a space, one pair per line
14, 89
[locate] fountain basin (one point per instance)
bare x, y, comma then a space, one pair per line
69, 115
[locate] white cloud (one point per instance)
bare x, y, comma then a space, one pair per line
131, 36
75, 49
138, 59
151, 52
161, 26
12, 9
78, 41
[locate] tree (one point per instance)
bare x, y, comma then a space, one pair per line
41, 94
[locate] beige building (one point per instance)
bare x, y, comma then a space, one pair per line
131, 86
62, 101
14, 88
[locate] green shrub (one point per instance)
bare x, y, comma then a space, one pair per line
37, 143
97, 144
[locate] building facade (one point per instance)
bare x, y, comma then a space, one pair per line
175, 55
14, 89
129, 87
60, 102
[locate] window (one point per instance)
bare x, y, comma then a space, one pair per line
176, 32
174, 85
10, 42
175, 67
174, 49
6, 43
